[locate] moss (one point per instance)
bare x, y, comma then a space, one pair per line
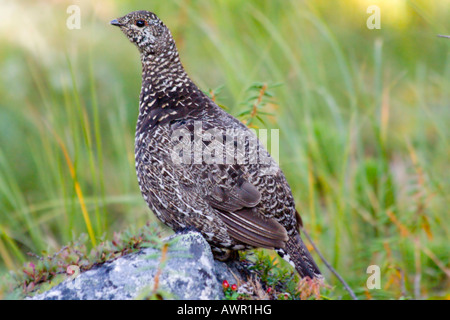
44, 272
272, 279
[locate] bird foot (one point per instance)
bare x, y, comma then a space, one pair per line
225, 254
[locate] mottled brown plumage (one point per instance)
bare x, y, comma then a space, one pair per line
224, 184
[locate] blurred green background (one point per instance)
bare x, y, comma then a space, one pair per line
363, 117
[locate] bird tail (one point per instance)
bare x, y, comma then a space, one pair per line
296, 253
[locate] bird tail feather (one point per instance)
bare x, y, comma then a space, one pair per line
297, 254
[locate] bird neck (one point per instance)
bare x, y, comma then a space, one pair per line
158, 69
162, 74
167, 92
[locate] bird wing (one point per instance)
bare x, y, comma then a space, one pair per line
249, 227
235, 200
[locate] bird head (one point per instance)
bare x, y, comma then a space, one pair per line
146, 31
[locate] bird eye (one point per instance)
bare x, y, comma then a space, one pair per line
140, 23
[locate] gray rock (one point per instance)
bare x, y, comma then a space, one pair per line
189, 272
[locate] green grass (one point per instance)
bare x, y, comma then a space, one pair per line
363, 118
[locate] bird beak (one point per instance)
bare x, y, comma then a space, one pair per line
116, 23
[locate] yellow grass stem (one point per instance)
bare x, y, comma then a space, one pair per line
5, 255
78, 191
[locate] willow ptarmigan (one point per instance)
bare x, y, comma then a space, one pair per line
200, 168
